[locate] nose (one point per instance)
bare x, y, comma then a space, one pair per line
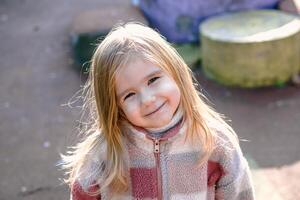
147, 98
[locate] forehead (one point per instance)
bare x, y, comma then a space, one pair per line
137, 67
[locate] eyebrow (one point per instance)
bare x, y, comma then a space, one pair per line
155, 72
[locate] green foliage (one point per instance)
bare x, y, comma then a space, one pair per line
190, 53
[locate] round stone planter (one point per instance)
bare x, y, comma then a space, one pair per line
251, 48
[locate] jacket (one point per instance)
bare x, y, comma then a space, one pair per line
166, 168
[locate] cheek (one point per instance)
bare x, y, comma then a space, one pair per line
175, 96
130, 109
171, 89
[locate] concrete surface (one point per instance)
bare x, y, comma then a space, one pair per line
277, 183
37, 77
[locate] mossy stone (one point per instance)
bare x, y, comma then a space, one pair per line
251, 48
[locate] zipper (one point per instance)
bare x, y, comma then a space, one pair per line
158, 168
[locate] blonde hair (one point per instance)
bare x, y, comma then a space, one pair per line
121, 46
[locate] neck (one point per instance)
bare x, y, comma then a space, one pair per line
159, 132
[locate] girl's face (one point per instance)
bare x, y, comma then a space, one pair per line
147, 95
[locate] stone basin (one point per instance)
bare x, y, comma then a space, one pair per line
251, 48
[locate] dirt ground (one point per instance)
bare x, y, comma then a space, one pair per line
37, 77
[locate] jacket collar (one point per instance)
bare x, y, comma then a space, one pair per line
140, 137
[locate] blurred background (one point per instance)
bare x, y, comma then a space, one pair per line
247, 64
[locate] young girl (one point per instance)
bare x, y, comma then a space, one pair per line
151, 135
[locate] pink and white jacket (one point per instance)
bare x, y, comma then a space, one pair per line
165, 168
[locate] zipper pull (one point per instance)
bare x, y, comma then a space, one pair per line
156, 146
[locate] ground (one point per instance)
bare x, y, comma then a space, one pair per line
37, 79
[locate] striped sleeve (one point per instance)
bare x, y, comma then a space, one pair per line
236, 182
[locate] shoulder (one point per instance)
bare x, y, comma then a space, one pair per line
226, 145
94, 158
227, 152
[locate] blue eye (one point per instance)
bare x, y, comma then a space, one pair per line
153, 80
128, 95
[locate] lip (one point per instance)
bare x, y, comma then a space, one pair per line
155, 110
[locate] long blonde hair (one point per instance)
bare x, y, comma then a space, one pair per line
121, 46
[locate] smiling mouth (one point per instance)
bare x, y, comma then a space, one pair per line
155, 110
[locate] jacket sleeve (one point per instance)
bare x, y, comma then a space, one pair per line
235, 182
77, 193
